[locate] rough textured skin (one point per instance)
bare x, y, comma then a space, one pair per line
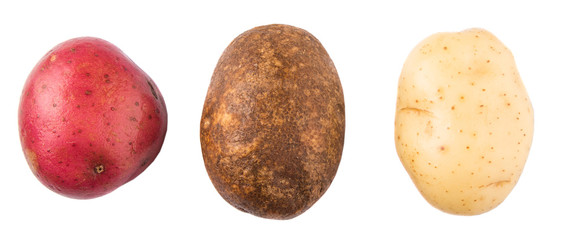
272, 128
90, 120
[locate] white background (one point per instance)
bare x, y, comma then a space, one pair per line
179, 43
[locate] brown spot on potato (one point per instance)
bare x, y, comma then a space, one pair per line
99, 169
152, 89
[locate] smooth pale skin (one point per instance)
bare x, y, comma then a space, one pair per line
464, 121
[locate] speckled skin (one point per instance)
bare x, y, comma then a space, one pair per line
272, 128
90, 119
464, 122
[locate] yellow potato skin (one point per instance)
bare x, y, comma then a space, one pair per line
463, 122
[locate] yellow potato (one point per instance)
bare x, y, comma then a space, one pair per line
464, 121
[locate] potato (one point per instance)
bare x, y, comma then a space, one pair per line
272, 127
464, 121
90, 120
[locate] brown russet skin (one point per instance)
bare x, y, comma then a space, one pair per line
273, 123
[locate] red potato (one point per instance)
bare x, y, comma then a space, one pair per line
90, 119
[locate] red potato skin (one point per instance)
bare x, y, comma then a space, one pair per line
90, 120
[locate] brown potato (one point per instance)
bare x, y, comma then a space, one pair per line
272, 127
